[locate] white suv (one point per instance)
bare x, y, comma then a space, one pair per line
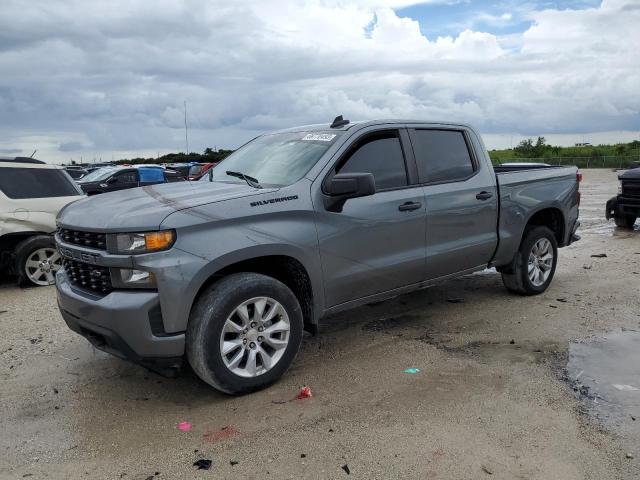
31, 195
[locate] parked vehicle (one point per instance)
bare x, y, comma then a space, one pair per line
76, 173
226, 272
110, 179
31, 195
182, 169
196, 172
625, 207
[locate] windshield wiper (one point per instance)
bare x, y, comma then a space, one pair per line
252, 182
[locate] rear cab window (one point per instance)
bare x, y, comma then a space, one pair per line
442, 155
22, 183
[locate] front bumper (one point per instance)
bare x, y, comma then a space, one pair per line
121, 323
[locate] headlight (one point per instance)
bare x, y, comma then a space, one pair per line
131, 278
144, 242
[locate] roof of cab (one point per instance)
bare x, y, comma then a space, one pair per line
362, 124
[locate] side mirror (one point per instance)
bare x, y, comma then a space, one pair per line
112, 180
344, 186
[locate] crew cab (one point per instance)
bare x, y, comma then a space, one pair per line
625, 207
31, 195
226, 272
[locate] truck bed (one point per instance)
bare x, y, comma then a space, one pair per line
526, 189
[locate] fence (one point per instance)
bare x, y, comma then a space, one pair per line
610, 161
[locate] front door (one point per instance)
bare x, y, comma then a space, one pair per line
376, 243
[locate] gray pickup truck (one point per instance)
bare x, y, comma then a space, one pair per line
227, 272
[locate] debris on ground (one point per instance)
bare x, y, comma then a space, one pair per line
411, 370
455, 300
486, 470
587, 267
202, 464
512, 342
562, 300
213, 436
305, 392
232, 462
553, 306
184, 426
303, 455
345, 467
278, 402
599, 255
629, 456
633, 418
625, 388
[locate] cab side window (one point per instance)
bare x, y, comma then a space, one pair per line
127, 177
441, 155
382, 156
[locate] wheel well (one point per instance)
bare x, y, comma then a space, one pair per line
285, 269
8, 244
551, 218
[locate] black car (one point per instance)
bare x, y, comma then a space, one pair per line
625, 207
109, 179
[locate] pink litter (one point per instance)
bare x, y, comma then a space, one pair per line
305, 392
184, 426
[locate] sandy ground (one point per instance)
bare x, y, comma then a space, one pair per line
490, 400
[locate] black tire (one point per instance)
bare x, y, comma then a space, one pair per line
625, 221
207, 319
24, 250
517, 279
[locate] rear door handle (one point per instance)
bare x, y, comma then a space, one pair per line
405, 207
484, 195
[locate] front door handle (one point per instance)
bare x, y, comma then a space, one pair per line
484, 195
405, 207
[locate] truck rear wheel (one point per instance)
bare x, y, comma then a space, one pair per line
535, 263
624, 221
244, 331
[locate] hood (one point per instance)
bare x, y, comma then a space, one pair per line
633, 174
144, 208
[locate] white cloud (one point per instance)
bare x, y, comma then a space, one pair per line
111, 76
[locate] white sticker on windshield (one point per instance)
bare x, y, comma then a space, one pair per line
319, 137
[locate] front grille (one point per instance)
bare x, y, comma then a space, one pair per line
87, 276
84, 239
631, 189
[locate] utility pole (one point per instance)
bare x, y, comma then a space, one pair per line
186, 128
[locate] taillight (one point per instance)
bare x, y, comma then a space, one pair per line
578, 179
579, 176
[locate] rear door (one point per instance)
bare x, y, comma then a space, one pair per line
376, 243
461, 200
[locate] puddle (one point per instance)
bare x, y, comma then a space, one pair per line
605, 374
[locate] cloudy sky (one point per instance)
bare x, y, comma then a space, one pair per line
108, 78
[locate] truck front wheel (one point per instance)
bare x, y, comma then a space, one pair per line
244, 331
535, 263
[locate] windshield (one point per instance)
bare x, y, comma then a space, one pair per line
275, 160
99, 174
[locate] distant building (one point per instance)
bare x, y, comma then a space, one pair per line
585, 144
